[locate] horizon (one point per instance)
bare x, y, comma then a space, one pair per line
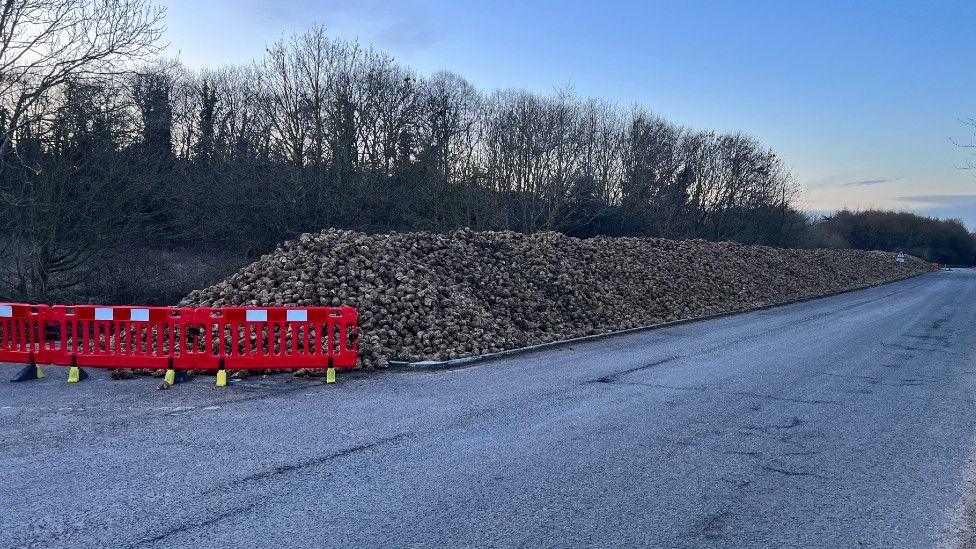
889, 137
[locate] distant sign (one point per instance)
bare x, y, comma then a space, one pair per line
901, 257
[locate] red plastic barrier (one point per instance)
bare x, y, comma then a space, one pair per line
277, 337
124, 337
181, 338
22, 333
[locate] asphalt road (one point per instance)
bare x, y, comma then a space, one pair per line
841, 422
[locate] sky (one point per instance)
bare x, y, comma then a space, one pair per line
866, 101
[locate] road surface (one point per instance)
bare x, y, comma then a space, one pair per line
840, 422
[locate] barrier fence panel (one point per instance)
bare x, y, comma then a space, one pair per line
277, 337
124, 337
23, 337
179, 338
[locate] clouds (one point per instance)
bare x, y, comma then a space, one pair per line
399, 27
943, 200
852, 180
955, 206
866, 182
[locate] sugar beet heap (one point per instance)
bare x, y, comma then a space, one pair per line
441, 296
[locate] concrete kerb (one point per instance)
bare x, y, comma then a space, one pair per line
469, 360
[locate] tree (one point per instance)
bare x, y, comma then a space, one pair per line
46, 43
64, 188
941, 240
152, 92
80, 201
206, 122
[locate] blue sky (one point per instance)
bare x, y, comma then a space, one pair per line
863, 99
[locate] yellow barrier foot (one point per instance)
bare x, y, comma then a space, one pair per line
170, 377
28, 372
221, 378
76, 374
330, 375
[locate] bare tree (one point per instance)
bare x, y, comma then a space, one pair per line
62, 128
46, 43
78, 203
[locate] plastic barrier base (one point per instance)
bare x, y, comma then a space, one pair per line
76, 374
28, 373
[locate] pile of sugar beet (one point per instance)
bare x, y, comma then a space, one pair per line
443, 296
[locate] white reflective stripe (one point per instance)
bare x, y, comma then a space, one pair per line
300, 315
6, 310
141, 315
103, 313
259, 315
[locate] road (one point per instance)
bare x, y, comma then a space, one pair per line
840, 422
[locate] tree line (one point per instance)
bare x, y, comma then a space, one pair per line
940, 240
126, 170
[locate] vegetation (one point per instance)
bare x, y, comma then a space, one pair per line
945, 241
129, 179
